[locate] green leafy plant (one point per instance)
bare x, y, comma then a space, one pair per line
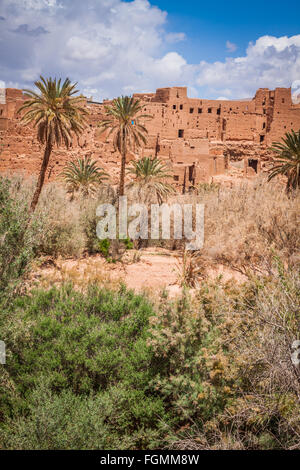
56, 114
287, 160
150, 175
124, 122
83, 176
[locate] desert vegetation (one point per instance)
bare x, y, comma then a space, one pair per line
287, 160
93, 366
57, 114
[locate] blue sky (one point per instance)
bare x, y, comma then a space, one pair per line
209, 24
111, 47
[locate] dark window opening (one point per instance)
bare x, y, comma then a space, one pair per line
181, 133
261, 138
215, 164
264, 125
174, 106
181, 106
219, 111
282, 100
264, 111
192, 174
191, 110
199, 110
253, 164
176, 178
209, 110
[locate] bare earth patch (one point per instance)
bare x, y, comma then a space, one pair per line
150, 270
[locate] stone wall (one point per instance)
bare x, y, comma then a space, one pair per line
195, 137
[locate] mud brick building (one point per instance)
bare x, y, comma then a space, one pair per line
197, 138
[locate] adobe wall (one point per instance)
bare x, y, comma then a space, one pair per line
196, 138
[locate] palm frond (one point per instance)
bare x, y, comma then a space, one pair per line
287, 159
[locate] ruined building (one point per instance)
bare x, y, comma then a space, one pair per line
197, 138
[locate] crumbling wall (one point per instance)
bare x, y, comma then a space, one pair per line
195, 137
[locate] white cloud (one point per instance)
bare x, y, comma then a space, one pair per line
112, 47
269, 62
175, 37
230, 46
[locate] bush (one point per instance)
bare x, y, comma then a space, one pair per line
213, 371
15, 248
93, 347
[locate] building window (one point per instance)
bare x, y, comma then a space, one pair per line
282, 101
180, 133
261, 138
174, 106
199, 110
209, 110
176, 178
264, 125
191, 110
252, 163
219, 111
181, 106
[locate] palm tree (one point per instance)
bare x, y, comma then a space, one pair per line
83, 175
287, 160
124, 122
56, 114
150, 175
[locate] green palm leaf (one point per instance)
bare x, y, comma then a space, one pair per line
124, 123
150, 179
287, 160
83, 175
56, 114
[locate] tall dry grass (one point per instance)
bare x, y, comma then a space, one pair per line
245, 226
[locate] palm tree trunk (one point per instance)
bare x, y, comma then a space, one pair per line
122, 175
123, 164
42, 174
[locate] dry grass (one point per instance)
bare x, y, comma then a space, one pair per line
245, 226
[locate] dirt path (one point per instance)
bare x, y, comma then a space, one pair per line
148, 270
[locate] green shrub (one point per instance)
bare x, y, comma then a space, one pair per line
15, 248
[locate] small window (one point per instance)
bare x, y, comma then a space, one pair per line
191, 110
180, 133
264, 125
282, 101
176, 178
174, 106
219, 111
181, 106
199, 110
264, 111
209, 110
261, 138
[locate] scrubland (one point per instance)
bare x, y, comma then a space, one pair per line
92, 367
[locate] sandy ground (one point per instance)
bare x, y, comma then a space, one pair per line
147, 270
